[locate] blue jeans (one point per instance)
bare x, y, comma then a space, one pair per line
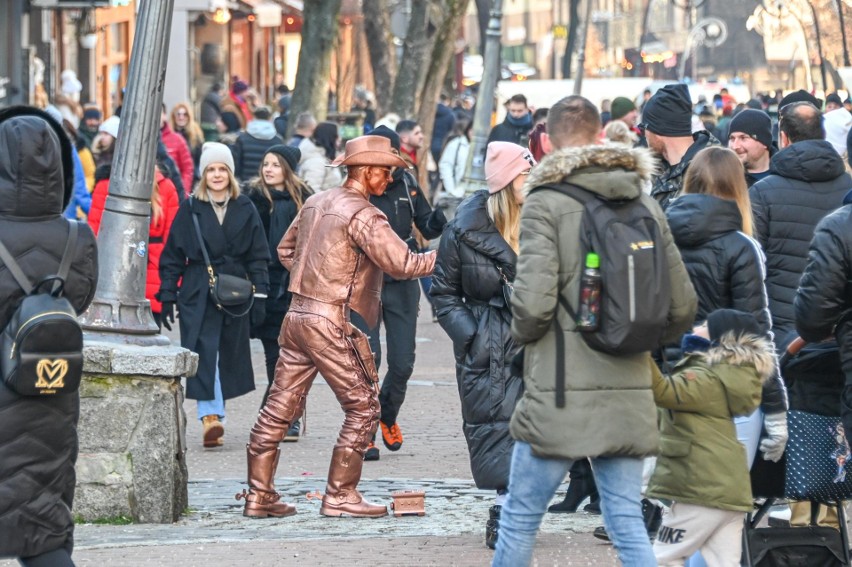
216, 406
532, 484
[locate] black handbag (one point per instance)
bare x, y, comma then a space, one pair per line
225, 290
817, 459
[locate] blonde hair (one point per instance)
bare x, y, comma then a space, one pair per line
719, 172
505, 211
193, 131
297, 188
156, 207
201, 194
619, 133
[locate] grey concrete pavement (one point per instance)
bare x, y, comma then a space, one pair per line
433, 458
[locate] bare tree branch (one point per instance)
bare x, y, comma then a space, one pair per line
377, 30
416, 49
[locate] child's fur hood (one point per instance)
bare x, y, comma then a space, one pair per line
743, 350
565, 162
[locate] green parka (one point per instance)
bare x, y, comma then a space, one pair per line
609, 407
701, 462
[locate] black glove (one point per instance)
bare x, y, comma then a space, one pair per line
517, 365
258, 312
167, 315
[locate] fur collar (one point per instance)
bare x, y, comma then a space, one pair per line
743, 350
558, 165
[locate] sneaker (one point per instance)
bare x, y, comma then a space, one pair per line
600, 533
372, 453
293, 433
391, 436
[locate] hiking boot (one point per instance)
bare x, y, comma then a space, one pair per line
294, 431
652, 515
492, 526
372, 453
391, 436
213, 431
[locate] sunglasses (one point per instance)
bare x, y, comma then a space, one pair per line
181, 113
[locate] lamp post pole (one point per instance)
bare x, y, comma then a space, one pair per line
474, 173
120, 311
581, 50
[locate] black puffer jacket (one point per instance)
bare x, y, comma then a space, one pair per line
468, 294
251, 146
808, 181
669, 184
38, 436
276, 220
726, 268
824, 297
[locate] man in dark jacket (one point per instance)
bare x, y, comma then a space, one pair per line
516, 126
823, 301
667, 121
38, 439
251, 145
807, 181
406, 207
444, 122
750, 137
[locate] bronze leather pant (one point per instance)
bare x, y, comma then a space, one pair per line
317, 337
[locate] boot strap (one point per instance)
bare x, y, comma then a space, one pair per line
258, 497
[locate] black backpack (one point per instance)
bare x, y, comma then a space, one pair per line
41, 348
636, 291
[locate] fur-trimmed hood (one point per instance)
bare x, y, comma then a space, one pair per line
613, 171
739, 351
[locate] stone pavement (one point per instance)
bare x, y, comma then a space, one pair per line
433, 458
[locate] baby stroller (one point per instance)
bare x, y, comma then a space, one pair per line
813, 469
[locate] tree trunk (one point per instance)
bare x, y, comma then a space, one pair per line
483, 12
442, 52
377, 30
319, 37
416, 49
571, 43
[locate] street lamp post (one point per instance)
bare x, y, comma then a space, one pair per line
710, 32
120, 311
581, 50
474, 173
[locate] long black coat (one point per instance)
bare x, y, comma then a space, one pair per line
236, 247
467, 290
276, 220
807, 181
726, 268
38, 435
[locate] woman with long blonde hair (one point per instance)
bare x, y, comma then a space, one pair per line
235, 244
471, 287
712, 224
278, 194
184, 124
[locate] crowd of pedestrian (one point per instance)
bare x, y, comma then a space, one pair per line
322, 244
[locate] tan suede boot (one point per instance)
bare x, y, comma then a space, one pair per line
213, 431
341, 495
261, 499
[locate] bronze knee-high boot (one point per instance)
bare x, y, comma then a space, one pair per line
341, 495
261, 499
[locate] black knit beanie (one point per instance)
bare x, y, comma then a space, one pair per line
669, 112
290, 154
386, 132
721, 321
800, 95
754, 124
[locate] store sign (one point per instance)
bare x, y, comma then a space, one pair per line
63, 4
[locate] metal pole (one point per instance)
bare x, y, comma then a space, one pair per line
846, 62
120, 308
474, 173
581, 51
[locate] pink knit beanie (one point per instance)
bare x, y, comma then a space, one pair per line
504, 161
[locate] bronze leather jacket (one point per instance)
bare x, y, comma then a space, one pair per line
338, 247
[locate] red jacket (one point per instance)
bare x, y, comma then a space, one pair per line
178, 150
158, 232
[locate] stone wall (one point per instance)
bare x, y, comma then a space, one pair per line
132, 433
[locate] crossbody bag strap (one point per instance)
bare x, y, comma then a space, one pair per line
68, 255
15, 269
201, 243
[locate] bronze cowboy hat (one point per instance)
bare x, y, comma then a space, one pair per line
369, 150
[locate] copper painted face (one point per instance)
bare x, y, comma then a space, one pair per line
377, 179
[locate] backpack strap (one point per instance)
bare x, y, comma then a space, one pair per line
583, 196
15, 269
68, 255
